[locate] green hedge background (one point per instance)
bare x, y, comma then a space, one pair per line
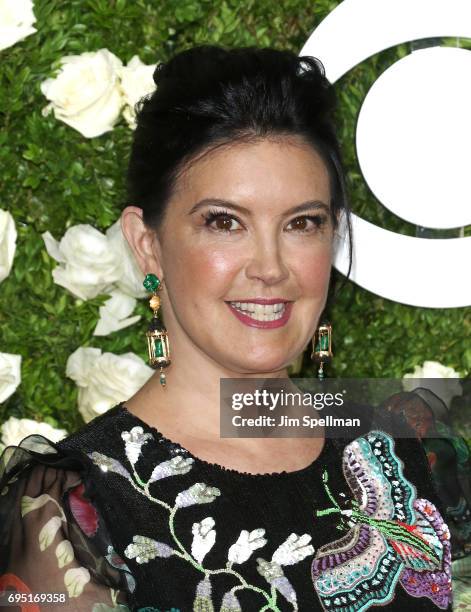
52, 178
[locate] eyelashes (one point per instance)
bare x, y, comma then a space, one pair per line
319, 221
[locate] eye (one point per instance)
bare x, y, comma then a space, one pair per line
301, 225
222, 218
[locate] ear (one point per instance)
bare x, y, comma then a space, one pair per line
142, 240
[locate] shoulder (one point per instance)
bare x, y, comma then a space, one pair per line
101, 432
38, 459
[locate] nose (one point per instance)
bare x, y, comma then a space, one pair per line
266, 261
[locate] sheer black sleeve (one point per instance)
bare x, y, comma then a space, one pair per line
55, 550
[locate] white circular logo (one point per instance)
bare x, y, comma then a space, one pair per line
412, 140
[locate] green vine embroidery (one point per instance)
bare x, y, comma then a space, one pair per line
144, 549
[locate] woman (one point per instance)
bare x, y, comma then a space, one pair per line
235, 192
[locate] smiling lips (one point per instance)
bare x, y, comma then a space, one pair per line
264, 313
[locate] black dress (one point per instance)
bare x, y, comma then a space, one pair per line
118, 517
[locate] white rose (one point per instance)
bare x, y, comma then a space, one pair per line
86, 93
8, 235
89, 265
14, 430
130, 276
114, 314
432, 375
16, 21
10, 374
136, 82
92, 263
105, 379
433, 369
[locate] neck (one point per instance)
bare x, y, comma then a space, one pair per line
190, 401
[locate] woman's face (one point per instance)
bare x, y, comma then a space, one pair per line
257, 247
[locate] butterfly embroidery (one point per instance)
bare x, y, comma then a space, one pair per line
392, 536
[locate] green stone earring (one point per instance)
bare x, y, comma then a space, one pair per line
157, 338
322, 347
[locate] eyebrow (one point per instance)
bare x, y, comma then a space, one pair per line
228, 204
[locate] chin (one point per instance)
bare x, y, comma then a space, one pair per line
263, 366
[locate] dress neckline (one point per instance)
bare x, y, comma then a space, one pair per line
159, 437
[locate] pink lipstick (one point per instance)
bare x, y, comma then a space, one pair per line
251, 322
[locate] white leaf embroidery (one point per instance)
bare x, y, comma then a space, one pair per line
75, 580
64, 553
48, 532
31, 503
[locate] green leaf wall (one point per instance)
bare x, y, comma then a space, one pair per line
52, 178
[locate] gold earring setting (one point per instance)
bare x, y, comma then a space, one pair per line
322, 347
157, 337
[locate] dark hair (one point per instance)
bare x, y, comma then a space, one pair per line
208, 96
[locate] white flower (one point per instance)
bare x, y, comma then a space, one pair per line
92, 263
89, 265
14, 430
144, 549
246, 544
295, 548
114, 314
203, 600
8, 235
10, 374
273, 574
105, 379
136, 82
204, 537
130, 277
432, 375
432, 369
108, 464
16, 21
86, 92
199, 493
134, 440
230, 602
174, 466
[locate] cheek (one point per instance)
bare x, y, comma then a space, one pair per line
314, 272
204, 270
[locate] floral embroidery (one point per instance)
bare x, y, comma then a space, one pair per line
83, 511
152, 609
391, 536
246, 543
204, 537
144, 549
134, 441
86, 517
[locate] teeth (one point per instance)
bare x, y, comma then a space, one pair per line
261, 312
